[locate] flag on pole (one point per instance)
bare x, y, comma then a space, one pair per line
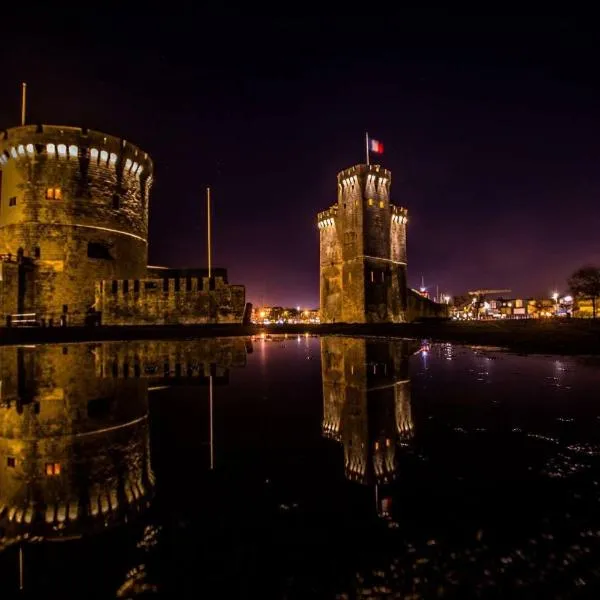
375, 146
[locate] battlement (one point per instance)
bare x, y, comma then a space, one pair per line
327, 217
74, 143
168, 285
347, 176
170, 300
399, 214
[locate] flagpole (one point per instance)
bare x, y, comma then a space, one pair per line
23, 101
208, 236
367, 145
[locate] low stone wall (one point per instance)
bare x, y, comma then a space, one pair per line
182, 301
419, 307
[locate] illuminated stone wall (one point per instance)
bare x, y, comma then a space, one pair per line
183, 301
366, 403
74, 448
363, 250
76, 202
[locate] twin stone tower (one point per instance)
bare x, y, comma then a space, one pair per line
363, 251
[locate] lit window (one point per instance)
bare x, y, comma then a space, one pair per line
94, 154
370, 201
13, 152
12, 201
73, 151
112, 161
3, 159
62, 150
128, 164
381, 204
54, 193
140, 171
52, 469
134, 168
103, 157
30, 149
11, 462
21, 149
50, 148
372, 276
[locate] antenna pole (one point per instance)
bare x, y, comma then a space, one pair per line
367, 145
23, 101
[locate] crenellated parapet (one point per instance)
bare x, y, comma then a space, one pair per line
170, 300
327, 217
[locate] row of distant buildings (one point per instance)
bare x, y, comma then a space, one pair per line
482, 307
279, 315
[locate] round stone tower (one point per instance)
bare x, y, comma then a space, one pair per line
74, 208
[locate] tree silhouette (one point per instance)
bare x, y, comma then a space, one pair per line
585, 283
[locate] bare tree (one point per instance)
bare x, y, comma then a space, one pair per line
585, 283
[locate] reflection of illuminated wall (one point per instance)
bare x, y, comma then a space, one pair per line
168, 359
366, 402
74, 448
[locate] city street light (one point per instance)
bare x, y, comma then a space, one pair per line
555, 298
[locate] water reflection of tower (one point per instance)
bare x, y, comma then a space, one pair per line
74, 448
366, 404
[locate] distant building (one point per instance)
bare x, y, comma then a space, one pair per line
279, 315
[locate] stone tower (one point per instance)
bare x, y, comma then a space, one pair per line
73, 210
363, 251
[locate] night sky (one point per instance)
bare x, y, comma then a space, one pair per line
491, 129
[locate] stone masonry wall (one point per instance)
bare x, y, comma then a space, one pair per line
169, 301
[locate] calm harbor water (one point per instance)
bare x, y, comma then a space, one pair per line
297, 467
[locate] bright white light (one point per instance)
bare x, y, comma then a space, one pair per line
568, 299
30, 149
555, 296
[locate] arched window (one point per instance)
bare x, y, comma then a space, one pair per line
73, 151
51, 149
62, 150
